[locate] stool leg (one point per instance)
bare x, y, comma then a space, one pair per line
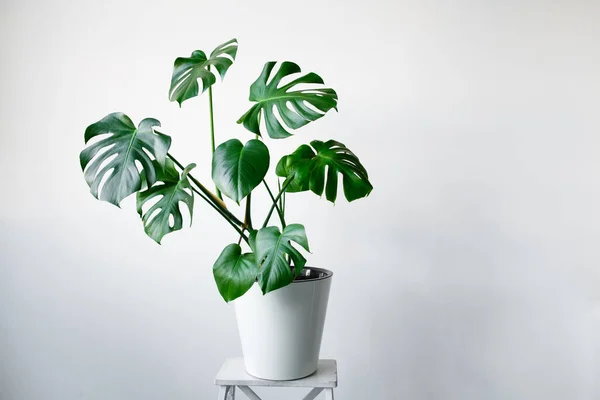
312, 395
329, 394
249, 392
226, 393
231, 393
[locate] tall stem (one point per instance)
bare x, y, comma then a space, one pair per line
212, 127
212, 119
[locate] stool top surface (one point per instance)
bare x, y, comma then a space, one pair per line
233, 373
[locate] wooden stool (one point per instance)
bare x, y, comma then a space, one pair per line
233, 374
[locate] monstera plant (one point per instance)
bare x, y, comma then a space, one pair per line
122, 159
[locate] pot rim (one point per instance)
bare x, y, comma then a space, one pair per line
327, 275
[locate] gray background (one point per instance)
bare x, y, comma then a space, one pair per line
471, 272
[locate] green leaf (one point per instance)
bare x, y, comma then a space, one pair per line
112, 158
332, 158
234, 272
291, 105
298, 171
187, 71
252, 239
172, 190
238, 169
271, 249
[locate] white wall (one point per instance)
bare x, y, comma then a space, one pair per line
471, 272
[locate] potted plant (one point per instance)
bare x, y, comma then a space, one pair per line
281, 303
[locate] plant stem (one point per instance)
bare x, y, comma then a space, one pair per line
279, 211
248, 216
241, 232
212, 127
213, 200
288, 180
282, 200
283, 203
212, 120
247, 219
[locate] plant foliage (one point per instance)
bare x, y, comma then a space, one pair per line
237, 169
111, 160
234, 272
271, 248
309, 167
172, 190
295, 107
121, 159
187, 71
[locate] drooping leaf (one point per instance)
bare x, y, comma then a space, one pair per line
172, 189
291, 105
331, 158
112, 158
271, 249
187, 71
234, 272
298, 165
238, 169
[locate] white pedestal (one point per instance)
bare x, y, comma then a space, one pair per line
233, 374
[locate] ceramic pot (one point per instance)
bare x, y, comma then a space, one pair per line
281, 331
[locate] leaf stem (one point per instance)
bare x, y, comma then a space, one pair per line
279, 211
247, 219
248, 214
286, 183
213, 200
212, 120
241, 232
212, 127
282, 200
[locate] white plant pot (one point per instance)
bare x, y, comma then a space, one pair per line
281, 331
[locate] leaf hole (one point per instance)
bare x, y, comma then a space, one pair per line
103, 181
99, 138
287, 79
273, 73
182, 79
278, 116
226, 55
100, 154
290, 106
138, 165
148, 153
305, 87
107, 161
186, 216
313, 108
148, 204
153, 215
